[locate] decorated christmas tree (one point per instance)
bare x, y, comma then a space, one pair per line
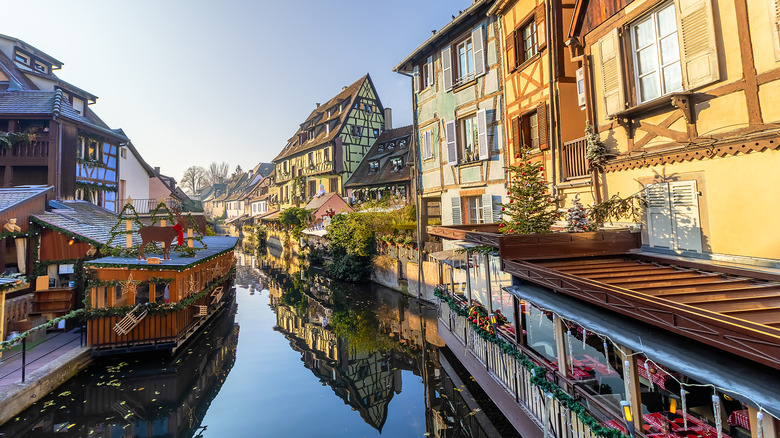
577, 217
530, 209
128, 214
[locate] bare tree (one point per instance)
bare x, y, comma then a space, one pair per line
238, 170
217, 172
194, 178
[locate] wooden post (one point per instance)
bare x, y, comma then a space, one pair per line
633, 389
560, 345
128, 236
189, 238
488, 285
468, 278
2, 318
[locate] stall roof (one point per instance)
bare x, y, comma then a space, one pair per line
82, 220
216, 245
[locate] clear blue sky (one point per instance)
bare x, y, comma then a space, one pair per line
196, 81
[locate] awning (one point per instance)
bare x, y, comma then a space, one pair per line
271, 216
450, 257
741, 379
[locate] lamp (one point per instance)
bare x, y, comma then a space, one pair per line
71, 242
627, 417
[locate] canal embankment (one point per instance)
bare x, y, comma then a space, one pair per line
45, 367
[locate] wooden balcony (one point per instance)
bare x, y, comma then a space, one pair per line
28, 149
574, 163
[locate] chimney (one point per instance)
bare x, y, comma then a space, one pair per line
318, 105
388, 119
157, 169
344, 88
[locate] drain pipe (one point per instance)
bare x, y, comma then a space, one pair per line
553, 118
417, 178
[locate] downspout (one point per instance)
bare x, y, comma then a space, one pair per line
554, 116
416, 176
59, 160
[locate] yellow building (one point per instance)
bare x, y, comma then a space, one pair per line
683, 92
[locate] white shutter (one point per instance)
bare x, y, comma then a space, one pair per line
428, 143
580, 75
452, 143
429, 67
416, 78
659, 216
487, 209
478, 40
685, 211
697, 41
446, 68
482, 135
496, 209
457, 218
611, 73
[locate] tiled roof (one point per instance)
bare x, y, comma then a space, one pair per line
10, 197
386, 174
83, 219
348, 95
214, 245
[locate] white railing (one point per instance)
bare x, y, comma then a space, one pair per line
507, 370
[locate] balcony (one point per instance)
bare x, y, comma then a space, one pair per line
145, 206
27, 149
574, 163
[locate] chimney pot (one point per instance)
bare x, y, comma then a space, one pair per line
318, 105
388, 119
157, 169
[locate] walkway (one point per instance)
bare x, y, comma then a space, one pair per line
54, 346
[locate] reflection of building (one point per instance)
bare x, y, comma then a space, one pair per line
145, 398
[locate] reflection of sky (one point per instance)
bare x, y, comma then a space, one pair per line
269, 391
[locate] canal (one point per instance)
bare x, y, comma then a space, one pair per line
296, 355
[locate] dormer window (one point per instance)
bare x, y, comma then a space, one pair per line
398, 164
373, 166
41, 67
381, 147
391, 146
402, 143
22, 58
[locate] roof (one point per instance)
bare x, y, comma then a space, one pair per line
318, 202
15, 196
272, 216
82, 220
320, 116
35, 102
380, 152
444, 34
28, 47
215, 245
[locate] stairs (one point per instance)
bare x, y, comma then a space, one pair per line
130, 320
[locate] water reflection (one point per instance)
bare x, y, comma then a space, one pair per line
138, 396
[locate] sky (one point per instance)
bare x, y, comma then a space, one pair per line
197, 81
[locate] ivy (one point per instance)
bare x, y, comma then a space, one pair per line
538, 374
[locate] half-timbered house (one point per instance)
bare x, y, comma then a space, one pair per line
330, 144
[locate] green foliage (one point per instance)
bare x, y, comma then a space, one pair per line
596, 151
295, 218
352, 246
8, 139
530, 208
360, 329
617, 208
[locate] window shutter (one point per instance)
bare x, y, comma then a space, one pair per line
496, 209
452, 143
456, 212
416, 78
611, 76
446, 67
427, 150
541, 119
511, 58
487, 208
516, 139
685, 210
697, 41
478, 39
541, 34
482, 135
429, 67
580, 78
659, 215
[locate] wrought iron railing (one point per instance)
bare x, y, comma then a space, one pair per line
146, 206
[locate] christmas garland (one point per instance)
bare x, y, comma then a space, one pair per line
7, 286
158, 267
44, 224
93, 282
13, 234
51, 323
538, 374
481, 249
157, 308
95, 186
91, 164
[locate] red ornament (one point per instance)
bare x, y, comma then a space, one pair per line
541, 168
517, 156
511, 201
502, 209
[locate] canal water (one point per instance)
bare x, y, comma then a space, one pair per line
297, 355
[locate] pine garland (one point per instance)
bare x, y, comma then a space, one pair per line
538, 374
91, 164
84, 185
13, 234
51, 323
128, 213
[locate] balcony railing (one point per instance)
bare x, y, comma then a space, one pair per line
146, 206
507, 370
574, 163
27, 149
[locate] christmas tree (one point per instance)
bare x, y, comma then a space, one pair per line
162, 212
577, 217
531, 209
128, 213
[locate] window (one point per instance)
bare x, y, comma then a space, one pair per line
326, 155
528, 43
92, 150
464, 61
391, 146
530, 130
398, 164
123, 152
426, 74
22, 58
473, 210
402, 142
427, 141
373, 166
375, 131
80, 147
467, 138
41, 67
310, 159
356, 131
656, 54
368, 110
381, 147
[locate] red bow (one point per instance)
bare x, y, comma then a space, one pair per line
178, 228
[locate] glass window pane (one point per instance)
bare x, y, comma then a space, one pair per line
672, 78
670, 51
649, 87
648, 61
644, 34
667, 22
